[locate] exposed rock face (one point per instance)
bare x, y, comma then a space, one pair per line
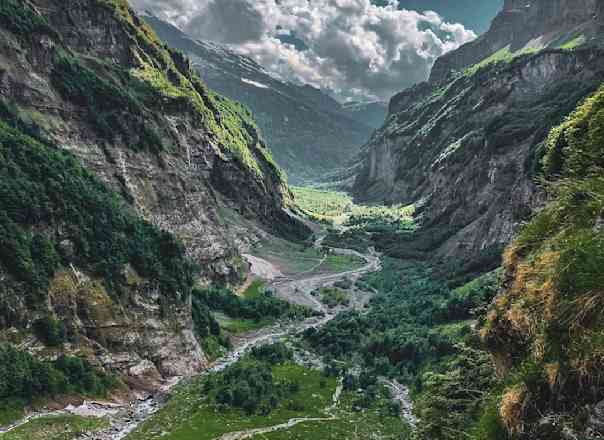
537, 23
465, 152
308, 131
181, 155
465, 147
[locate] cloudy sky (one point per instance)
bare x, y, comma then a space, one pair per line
367, 49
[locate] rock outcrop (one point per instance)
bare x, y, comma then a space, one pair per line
466, 150
529, 26
90, 79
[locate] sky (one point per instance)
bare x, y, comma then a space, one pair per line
354, 49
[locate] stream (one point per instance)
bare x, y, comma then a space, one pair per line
124, 419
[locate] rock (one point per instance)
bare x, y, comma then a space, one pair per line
522, 24
464, 154
596, 419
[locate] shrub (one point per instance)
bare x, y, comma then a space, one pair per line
50, 331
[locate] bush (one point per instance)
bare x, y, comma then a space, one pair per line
258, 307
22, 376
249, 385
50, 331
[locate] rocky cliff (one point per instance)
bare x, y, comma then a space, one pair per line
527, 26
466, 150
87, 81
308, 131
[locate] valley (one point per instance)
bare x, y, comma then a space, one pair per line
437, 276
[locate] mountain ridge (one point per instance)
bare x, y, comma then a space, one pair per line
446, 141
174, 175
302, 124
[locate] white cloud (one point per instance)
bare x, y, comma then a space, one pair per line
353, 48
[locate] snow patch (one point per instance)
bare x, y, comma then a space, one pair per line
254, 83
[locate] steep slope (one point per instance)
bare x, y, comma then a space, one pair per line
132, 155
528, 26
466, 150
309, 132
545, 328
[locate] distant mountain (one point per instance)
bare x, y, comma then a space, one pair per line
371, 113
308, 131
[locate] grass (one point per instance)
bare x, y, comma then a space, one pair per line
573, 43
324, 206
190, 416
550, 307
237, 326
337, 208
503, 55
295, 258
56, 428
374, 422
255, 289
11, 410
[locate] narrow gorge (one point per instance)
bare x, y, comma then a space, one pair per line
436, 276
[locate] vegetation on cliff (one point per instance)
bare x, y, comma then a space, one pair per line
56, 213
546, 328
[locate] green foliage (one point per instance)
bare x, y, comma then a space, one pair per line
112, 110
22, 376
62, 427
274, 354
21, 19
250, 384
50, 331
257, 307
574, 149
489, 425
399, 326
417, 331
333, 297
42, 186
453, 396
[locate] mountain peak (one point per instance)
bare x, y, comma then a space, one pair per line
527, 25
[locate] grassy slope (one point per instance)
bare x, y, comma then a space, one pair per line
56, 428
546, 329
190, 416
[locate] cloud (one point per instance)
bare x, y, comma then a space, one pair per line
351, 47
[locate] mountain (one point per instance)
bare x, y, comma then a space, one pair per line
309, 133
124, 182
466, 148
372, 113
502, 156
526, 27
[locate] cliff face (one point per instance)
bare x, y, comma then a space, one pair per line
526, 26
91, 80
466, 150
308, 131
466, 153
